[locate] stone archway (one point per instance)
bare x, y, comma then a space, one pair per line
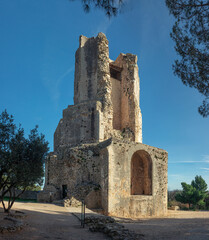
141, 173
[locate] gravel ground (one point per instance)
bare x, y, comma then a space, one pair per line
178, 225
49, 221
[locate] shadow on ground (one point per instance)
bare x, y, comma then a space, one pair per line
48, 221
172, 228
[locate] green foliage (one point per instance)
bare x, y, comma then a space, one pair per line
207, 202
194, 193
21, 159
110, 7
191, 36
200, 184
35, 187
22, 200
186, 196
200, 192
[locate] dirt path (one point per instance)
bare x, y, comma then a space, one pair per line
48, 221
178, 225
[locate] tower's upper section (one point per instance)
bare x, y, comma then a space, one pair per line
106, 97
91, 65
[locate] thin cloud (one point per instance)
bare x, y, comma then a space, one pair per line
53, 84
201, 161
207, 169
206, 157
64, 75
175, 175
103, 27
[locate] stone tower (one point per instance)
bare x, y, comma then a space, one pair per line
98, 152
106, 97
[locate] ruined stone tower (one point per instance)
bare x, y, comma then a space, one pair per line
106, 97
98, 152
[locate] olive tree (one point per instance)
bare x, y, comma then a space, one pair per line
21, 159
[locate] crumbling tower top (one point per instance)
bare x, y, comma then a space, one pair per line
91, 68
106, 97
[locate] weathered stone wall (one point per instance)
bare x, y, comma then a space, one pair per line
116, 102
92, 77
30, 195
98, 152
130, 111
103, 104
120, 201
101, 174
81, 123
85, 85
104, 158
83, 169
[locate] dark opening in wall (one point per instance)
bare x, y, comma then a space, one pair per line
115, 72
64, 191
141, 173
115, 75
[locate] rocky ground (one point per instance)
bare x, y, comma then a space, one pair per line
49, 221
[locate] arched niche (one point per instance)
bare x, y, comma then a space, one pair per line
141, 173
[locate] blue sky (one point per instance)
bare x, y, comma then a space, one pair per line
38, 40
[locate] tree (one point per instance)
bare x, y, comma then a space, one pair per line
21, 159
111, 7
191, 36
200, 192
35, 187
194, 193
172, 194
186, 196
